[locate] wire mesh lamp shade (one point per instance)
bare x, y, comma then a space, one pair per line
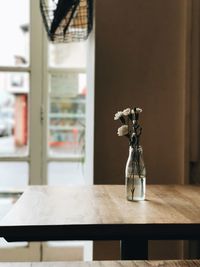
67, 20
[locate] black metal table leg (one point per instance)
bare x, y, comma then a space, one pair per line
134, 249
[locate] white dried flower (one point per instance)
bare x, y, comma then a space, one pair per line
126, 111
138, 110
118, 115
123, 130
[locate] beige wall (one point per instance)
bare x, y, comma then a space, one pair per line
140, 60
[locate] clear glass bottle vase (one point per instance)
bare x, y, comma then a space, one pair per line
135, 174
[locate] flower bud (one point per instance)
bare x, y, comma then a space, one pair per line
118, 115
126, 111
123, 130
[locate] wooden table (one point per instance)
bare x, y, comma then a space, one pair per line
101, 212
171, 263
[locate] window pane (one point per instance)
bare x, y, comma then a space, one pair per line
67, 115
13, 176
72, 55
14, 88
65, 173
14, 28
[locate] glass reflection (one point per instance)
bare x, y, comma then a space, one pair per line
14, 90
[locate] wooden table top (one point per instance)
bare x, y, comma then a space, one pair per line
170, 263
102, 212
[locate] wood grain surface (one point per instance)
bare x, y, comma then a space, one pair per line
171, 263
102, 212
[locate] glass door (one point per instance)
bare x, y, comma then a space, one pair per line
64, 100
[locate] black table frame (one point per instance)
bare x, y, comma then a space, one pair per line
134, 238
